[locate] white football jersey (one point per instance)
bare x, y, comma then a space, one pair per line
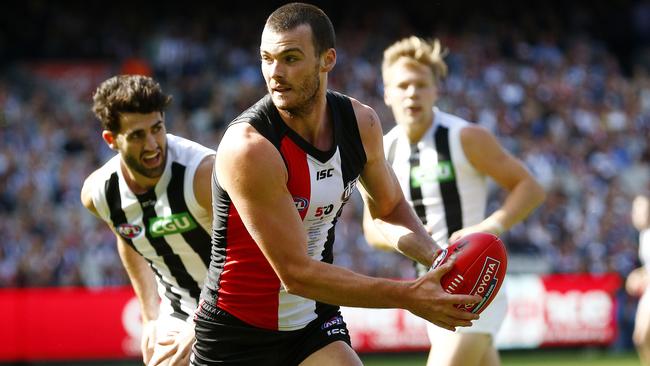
165, 225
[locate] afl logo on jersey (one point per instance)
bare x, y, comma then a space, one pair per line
301, 203
349, 189
129, 231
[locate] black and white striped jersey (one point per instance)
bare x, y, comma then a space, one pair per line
165, 225
445, 190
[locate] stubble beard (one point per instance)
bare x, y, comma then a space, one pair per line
310, 91
135, 165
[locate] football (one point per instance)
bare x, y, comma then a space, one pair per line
480, 267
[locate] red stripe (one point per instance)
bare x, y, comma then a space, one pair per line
248, 286
299, 182
251, 291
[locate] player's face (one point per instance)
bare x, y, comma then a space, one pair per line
142, 142
410, 91
290, 68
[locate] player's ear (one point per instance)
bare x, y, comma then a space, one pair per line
110, 139
328, 60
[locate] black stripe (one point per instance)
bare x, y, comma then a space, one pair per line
348, 137
448, 187
328, 257
221, 204
165, 251
414, 187
197, 238
118, 217
114, 201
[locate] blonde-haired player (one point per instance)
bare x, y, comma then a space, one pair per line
442, 163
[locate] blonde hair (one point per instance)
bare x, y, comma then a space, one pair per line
429, 53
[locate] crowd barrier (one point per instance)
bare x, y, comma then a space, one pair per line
87, 324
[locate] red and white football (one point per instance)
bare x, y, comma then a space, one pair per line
480, 267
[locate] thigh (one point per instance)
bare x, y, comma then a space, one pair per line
337, 353
460, 349
642, 321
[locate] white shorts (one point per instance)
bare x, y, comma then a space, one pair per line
489, 322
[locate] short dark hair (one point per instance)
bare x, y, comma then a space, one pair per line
290, 16
127, 94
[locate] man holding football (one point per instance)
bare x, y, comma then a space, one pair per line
283, 172
442, 162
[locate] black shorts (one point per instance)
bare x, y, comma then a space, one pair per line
223, 339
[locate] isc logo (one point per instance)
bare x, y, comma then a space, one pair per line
174, 224
322, 174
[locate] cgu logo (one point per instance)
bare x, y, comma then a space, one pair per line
174, 224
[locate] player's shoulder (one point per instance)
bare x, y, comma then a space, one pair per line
94, 184
469, 132
242, 141
178, 143
103, 173
367, 119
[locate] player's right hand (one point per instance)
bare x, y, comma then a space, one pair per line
148, 340
437, 306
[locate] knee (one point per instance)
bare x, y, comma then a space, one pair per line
641, 339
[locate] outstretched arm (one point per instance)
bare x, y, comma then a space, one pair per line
389, 221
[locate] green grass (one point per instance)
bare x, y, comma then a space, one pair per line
581, 357
577, 357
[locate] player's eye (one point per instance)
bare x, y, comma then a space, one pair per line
138, 135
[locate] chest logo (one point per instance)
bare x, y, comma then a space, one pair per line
443, 172
325, 173
301, 203
129, 231
174, 224
349, 189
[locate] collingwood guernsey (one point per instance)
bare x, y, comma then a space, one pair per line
166, 225
445, 190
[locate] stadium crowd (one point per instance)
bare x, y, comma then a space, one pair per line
565, 104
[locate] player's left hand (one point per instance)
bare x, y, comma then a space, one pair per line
484, 226
177, 348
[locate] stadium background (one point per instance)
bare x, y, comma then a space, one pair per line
564, 85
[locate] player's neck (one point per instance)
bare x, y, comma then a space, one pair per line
415, 131
137, 183
313, 125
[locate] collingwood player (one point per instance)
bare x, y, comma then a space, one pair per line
155, 195
442, 163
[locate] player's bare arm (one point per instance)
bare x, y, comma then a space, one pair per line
640, 213
488, 157
386, 206
252, 171
141, 277
202, 183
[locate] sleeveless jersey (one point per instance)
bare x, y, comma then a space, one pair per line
240, 279
445, 190
165, 225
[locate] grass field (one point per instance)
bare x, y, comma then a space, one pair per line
579, 357
524, 358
